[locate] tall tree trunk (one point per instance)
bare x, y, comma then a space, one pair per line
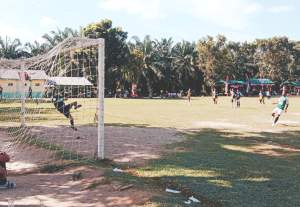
203, 89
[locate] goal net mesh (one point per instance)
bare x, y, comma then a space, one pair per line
52, 100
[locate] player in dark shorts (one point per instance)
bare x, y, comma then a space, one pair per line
232, 97
59, 103
238, 98
215, 96
261, 97
189, 95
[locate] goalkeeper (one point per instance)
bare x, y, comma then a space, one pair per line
59, 103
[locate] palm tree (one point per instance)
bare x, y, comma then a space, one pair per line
163, 61
36, 48
58, 36
11, 49
184, 62
146, 57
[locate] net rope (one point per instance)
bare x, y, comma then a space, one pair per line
60, 87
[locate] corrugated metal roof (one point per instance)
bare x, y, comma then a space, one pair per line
13, 74
37, 74
9, 74
70, 81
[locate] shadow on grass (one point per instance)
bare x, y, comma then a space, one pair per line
229, 169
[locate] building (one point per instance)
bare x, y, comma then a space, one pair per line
12, 85
73, 87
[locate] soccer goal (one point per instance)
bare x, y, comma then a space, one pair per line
56, 100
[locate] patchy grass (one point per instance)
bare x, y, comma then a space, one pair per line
230, 177
232, 157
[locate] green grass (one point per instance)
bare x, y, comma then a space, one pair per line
230, 157
222, 167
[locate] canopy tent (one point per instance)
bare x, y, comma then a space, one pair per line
236, 84
261, 82
230, 82
291, 83
296, 84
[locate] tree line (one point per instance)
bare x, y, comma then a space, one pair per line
162, 64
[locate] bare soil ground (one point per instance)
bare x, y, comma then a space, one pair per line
123, 144
132, 145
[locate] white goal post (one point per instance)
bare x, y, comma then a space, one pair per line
101, 86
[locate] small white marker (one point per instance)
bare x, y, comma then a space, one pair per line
117, 170
172, 191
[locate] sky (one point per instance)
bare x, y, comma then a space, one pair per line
238, 20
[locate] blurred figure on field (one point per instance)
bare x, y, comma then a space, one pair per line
215, 96
189, 95
261, 97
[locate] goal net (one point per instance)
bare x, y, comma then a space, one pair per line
56, 100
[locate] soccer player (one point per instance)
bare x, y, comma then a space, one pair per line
261, 97
1, 92
215, 96
189, 95
282, 105
238, 98
59, 103
233, 97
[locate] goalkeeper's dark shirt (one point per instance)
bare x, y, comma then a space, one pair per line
59, 103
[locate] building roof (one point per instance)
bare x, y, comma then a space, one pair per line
13, 74
69, 81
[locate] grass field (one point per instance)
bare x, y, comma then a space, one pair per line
230, 157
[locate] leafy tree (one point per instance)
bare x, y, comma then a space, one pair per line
275, 58
214, 59
242, 59
116, 50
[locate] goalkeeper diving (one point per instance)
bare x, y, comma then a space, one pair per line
59, 103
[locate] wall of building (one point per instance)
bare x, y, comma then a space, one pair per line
14, 88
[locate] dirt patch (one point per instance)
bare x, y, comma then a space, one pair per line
122, 144
59, 189
24, 158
